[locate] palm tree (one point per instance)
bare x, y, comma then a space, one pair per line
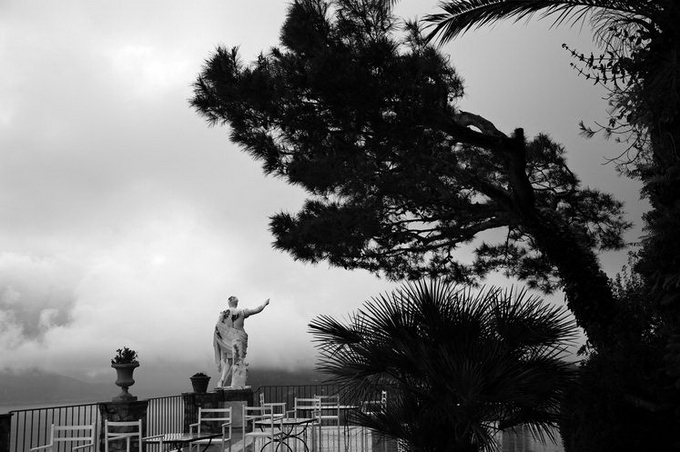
458, 365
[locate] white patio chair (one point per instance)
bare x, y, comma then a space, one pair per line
309, 407
259, 423
373, 407
128, 431
329, 415
85, 434
211, 420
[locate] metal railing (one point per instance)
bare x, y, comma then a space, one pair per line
165, 414
31, 427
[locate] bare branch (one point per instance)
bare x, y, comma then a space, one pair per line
485, 126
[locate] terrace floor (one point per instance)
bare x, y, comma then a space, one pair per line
349, 439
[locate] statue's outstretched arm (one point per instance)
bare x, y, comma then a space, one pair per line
257, 310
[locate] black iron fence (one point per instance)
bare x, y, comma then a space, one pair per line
31, 427
22, 429
165, 414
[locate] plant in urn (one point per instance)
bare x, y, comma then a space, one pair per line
125, 362
199, 382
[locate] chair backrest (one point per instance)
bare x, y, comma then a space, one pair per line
278, 408
329, 408
375, 406
307, 407
252, 414
328, 400
214, 418
119, 430
123, 429
255, 413
84, 434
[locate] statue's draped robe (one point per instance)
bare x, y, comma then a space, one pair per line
231, 343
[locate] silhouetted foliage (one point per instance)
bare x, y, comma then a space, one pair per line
362, 114
458, 365
624, 400
640, 65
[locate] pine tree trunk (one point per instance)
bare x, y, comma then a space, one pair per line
585, 284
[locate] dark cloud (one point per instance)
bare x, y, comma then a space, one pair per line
36, 295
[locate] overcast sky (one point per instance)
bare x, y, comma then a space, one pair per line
125, 220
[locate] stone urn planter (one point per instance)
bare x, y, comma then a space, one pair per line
125, 363
200, 382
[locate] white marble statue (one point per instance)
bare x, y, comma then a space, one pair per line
231, 344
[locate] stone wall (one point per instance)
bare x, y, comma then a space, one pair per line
122, 411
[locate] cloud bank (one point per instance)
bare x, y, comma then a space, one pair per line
125, 220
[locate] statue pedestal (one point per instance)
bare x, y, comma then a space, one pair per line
219, 398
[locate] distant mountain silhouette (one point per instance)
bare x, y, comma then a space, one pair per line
35, 388
274, 377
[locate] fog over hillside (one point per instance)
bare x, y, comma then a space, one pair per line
35, 388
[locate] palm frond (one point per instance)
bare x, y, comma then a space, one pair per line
459, 16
